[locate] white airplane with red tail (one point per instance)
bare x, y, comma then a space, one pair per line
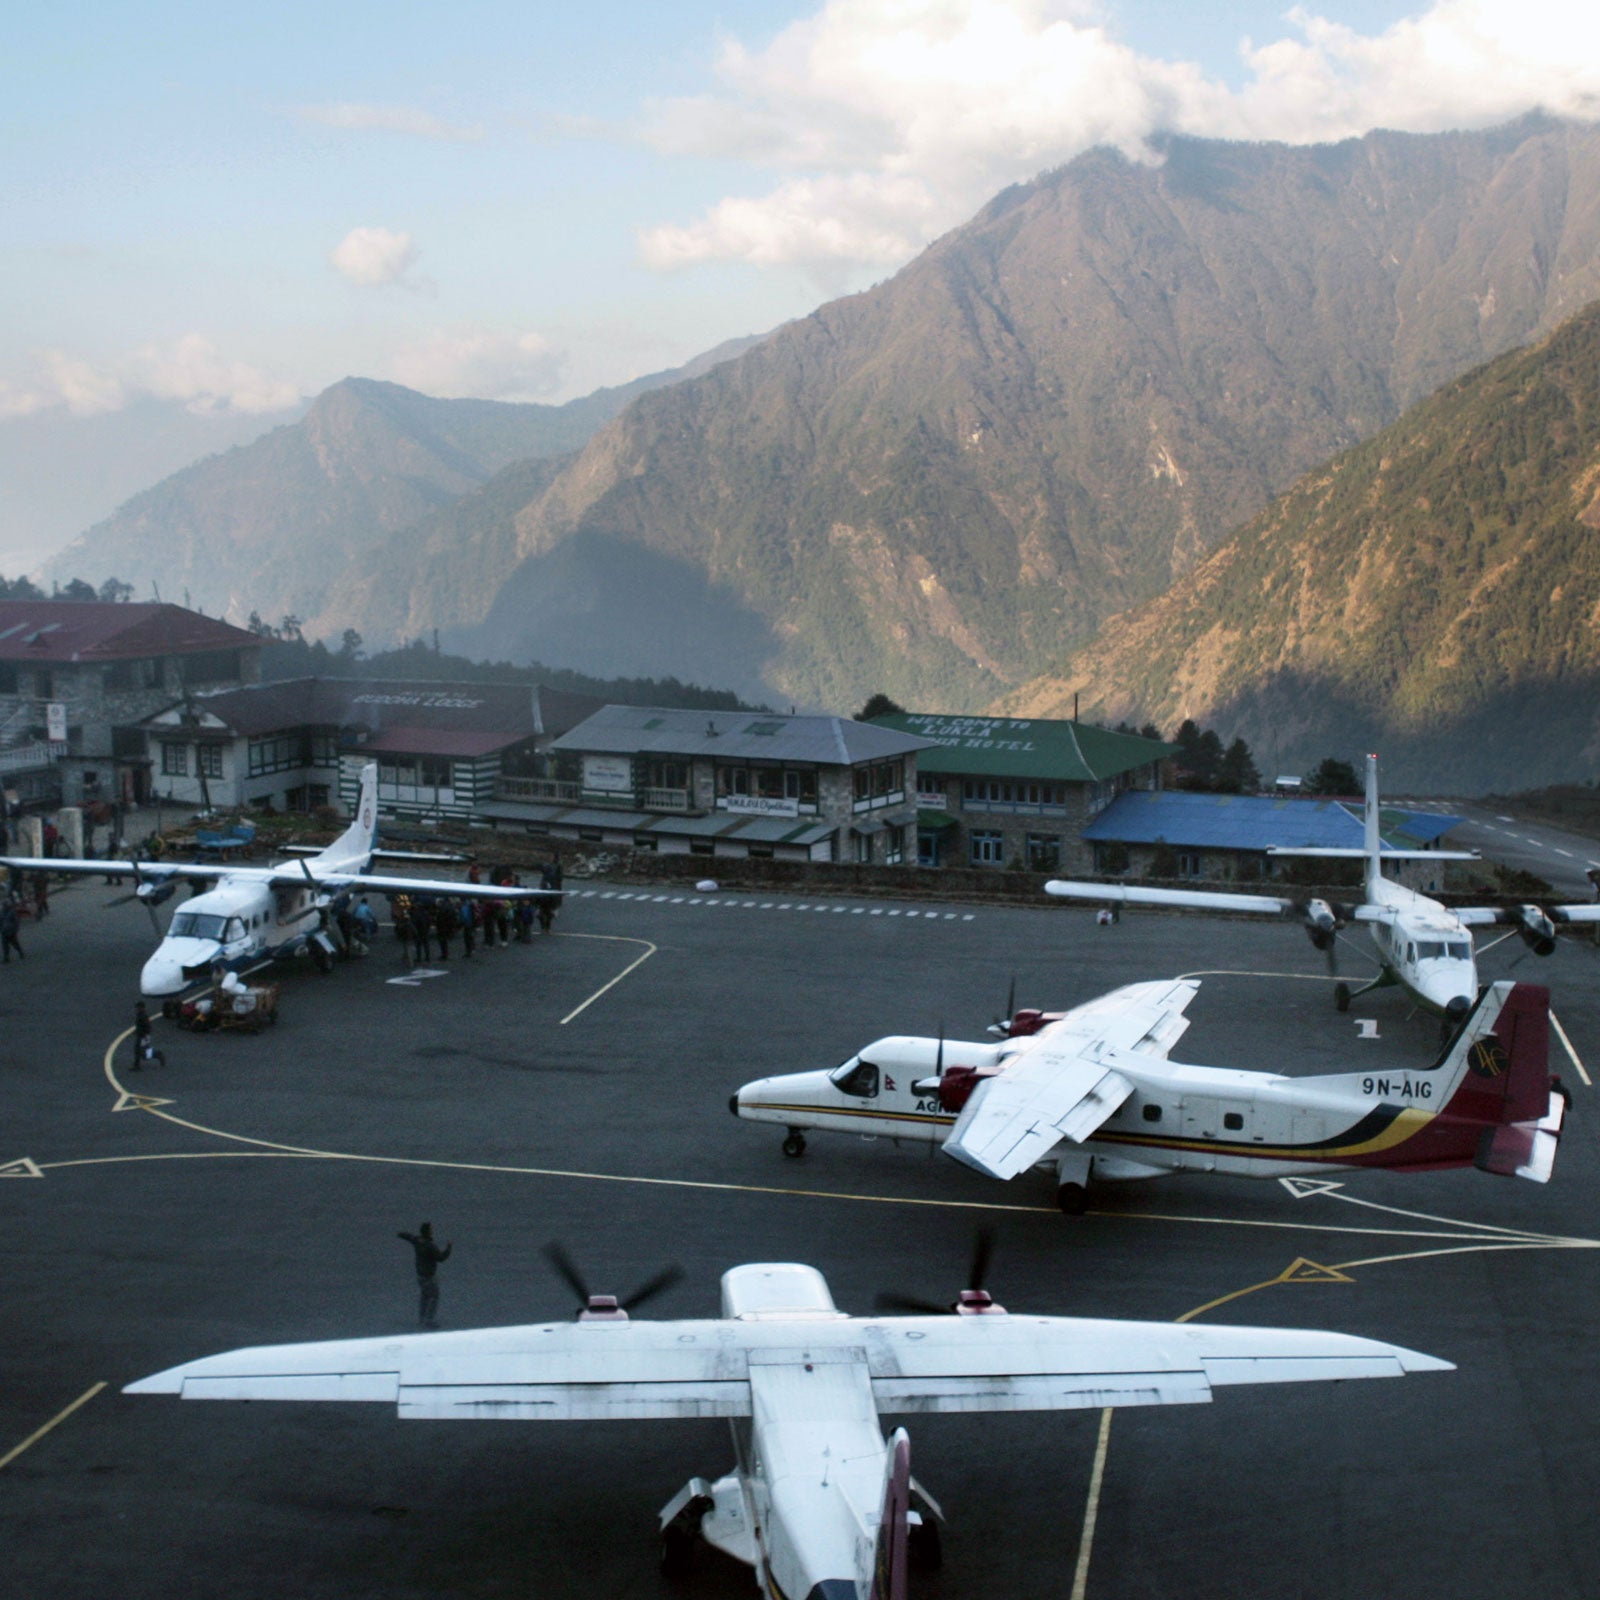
1092, 1092
820, 1503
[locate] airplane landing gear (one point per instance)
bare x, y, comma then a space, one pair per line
680, 1527
795, 1144
1072, 1183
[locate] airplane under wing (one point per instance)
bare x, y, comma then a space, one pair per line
616, 1369
300, 874
1108, 894
1064, 1083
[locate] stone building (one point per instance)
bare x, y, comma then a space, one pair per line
300, 744
726, 783
1013, 791
78, 677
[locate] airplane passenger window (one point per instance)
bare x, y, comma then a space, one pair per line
1233, 1120
861, 1081
1152, 1113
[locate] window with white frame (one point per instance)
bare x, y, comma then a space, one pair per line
175, 760
210, 756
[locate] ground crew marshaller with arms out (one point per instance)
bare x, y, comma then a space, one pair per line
429, 1255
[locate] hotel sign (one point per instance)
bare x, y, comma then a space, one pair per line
753, 805
609, 774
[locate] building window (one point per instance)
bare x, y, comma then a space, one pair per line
996, 794
987, 849
317, 795
882, 781
1044, 852
276, 754
863, 848
894, 846
210, 756
1189, 864
667, 774
175, 760
324, 750
761, 852
701, 847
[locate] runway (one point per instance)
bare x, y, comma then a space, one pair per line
250, 1192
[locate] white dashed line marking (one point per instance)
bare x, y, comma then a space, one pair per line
642, 897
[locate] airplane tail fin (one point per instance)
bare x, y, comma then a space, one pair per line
351, 851
1372, 843
1507, 1084
890, 1560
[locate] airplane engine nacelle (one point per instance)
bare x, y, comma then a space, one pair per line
1321, 924
155, 894
957, 1084
1536, 930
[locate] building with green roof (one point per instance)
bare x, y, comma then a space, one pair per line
997, 791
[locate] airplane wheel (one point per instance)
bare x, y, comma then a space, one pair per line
924, 1552
677, 1551
1073, 1198
1341, 996
795, 1144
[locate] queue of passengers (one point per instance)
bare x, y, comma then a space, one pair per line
421, 922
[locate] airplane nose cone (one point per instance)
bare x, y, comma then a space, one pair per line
733, 1102
1457, 1008
161, 976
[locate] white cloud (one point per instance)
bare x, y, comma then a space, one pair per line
190, 369
479, 363
892, 120
389, 119
374, 257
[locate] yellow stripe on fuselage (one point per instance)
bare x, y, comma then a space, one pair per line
1406, 1125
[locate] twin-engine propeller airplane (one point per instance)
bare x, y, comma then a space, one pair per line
1091, 1093
1423, 946
254, 914
818, 1501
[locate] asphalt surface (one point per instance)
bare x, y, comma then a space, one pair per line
1561, 858
255, 1196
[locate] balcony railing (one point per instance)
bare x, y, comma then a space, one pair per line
22, 757
554, 791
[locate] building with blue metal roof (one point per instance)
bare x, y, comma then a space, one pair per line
1189, 835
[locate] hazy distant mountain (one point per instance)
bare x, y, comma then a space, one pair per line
59, 472
1433, 594
272, 526
936, 487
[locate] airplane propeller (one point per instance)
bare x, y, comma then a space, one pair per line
973, 1299
590, 1304
1002, 1024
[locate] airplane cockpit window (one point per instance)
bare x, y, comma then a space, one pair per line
234, 930
1459, 949
1433, 949
195, 925
856, 1077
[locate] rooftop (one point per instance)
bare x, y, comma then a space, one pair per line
1255, 822
1020, 747
418, 716
737, 735
100, 630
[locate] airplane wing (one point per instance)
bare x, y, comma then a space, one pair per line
1022, 1363
144, 871
1194, 899
1066, 1083
298, 877
607, 1370
564, 1370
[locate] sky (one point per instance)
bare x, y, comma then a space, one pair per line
211, 213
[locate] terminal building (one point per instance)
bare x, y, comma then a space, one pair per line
1011, 791
78, 678
726, 783
300, 744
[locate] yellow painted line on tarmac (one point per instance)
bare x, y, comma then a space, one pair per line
617, 938
1566, 1044
39, 1433
1080, 1576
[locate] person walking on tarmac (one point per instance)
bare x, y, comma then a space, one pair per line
429, 1255
144, 1048
9, 924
